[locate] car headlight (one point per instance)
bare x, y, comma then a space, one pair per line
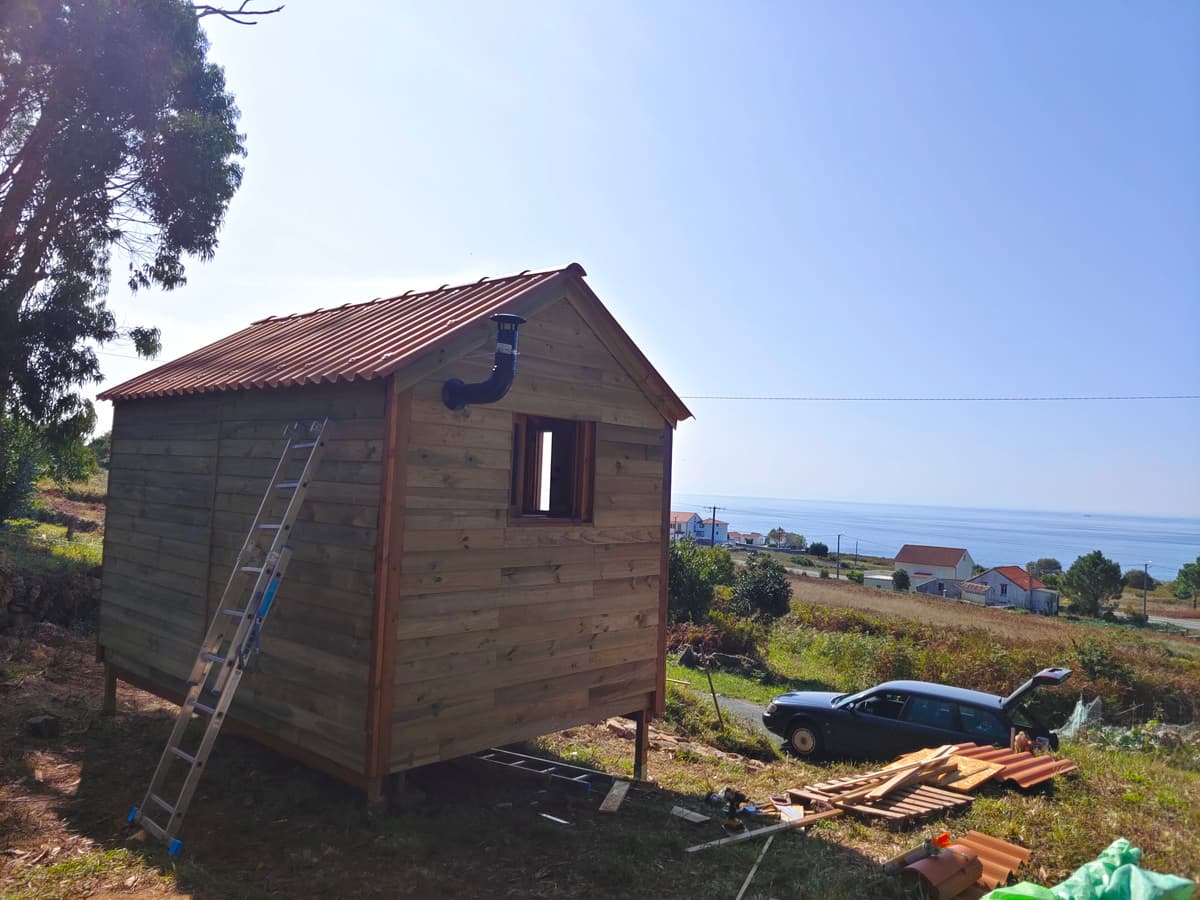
772, 708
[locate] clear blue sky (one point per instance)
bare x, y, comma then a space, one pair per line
912, 198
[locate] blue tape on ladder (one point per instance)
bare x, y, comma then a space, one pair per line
176, 846
132, 816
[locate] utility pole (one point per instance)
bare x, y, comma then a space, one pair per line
1145, 584
856, 554
838, 573
712, 535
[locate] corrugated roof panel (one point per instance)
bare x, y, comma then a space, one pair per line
346, 343
1024, 769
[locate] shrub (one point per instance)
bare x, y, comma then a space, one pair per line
722, 632
824, 573
900, 580
761, 589
694, 573
1097, 661
1138, 579
856, 577
818, 549
21, 458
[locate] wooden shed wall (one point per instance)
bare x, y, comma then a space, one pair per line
507, 631
187, 476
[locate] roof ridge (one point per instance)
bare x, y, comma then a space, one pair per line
573, 267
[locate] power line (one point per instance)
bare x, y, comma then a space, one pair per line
945, 399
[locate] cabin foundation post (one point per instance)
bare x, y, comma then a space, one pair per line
641, 743
108, 704
377, 795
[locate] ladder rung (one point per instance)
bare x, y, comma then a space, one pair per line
270, 527
254, 569
211, 657
286, 485
304, 446
186, 757
151, 826
163, 803
236, 613
200, 707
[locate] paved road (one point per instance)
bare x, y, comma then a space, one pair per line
1189, 624
745, 711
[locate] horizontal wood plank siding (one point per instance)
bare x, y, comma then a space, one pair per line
510, 630
187, 477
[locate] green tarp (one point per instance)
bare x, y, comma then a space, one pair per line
1113, 875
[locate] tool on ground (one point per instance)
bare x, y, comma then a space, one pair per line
232, 641
733, 799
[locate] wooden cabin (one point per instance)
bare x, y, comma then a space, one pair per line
460, 579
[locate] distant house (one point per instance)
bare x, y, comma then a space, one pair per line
1011, 586
713, 530
925, 564
685, 525
950, 588
749, 538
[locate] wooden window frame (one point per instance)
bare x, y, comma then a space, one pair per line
527, 466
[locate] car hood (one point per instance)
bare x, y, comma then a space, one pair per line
813, 699
1052, 676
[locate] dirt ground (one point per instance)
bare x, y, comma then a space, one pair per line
264, 826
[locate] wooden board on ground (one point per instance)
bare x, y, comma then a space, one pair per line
970, 772
689, 815
612, 801
907, 803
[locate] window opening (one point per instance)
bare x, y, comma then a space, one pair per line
553, 468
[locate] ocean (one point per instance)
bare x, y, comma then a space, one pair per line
994, 537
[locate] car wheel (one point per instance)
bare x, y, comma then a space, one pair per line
803, 739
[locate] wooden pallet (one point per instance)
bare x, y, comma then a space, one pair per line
907, 803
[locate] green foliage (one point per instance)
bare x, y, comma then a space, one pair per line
1096, 660
723, 631
795, 541
694, 573
20, 461
824, 573
115, 132
901, 580
1093, 583
856, 576
818, 549
1040, 568
1139, 579
101, 447
761, 589
1187, 582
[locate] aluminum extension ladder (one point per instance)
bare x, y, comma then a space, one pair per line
229, 647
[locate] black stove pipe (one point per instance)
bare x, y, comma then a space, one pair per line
456, 394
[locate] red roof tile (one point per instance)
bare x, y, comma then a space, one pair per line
1019, 577
364, 341
683, 517
920, 555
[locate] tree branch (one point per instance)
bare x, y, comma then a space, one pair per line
204, 9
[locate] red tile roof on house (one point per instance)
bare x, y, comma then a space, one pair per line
364, 341
920, 555
709, 521
1019, 577
680, 517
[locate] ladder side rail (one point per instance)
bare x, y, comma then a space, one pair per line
199, 674
258, 517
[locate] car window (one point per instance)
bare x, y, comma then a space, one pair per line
983, 723
932, 712
887, 704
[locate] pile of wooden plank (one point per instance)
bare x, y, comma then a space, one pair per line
909, 789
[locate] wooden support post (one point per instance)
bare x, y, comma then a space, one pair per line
376, 795
108, 705
641, 743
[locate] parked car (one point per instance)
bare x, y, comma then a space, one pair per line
900, 716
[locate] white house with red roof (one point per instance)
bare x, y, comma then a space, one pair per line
713, 530
925, 563
1011, 586
686, 525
